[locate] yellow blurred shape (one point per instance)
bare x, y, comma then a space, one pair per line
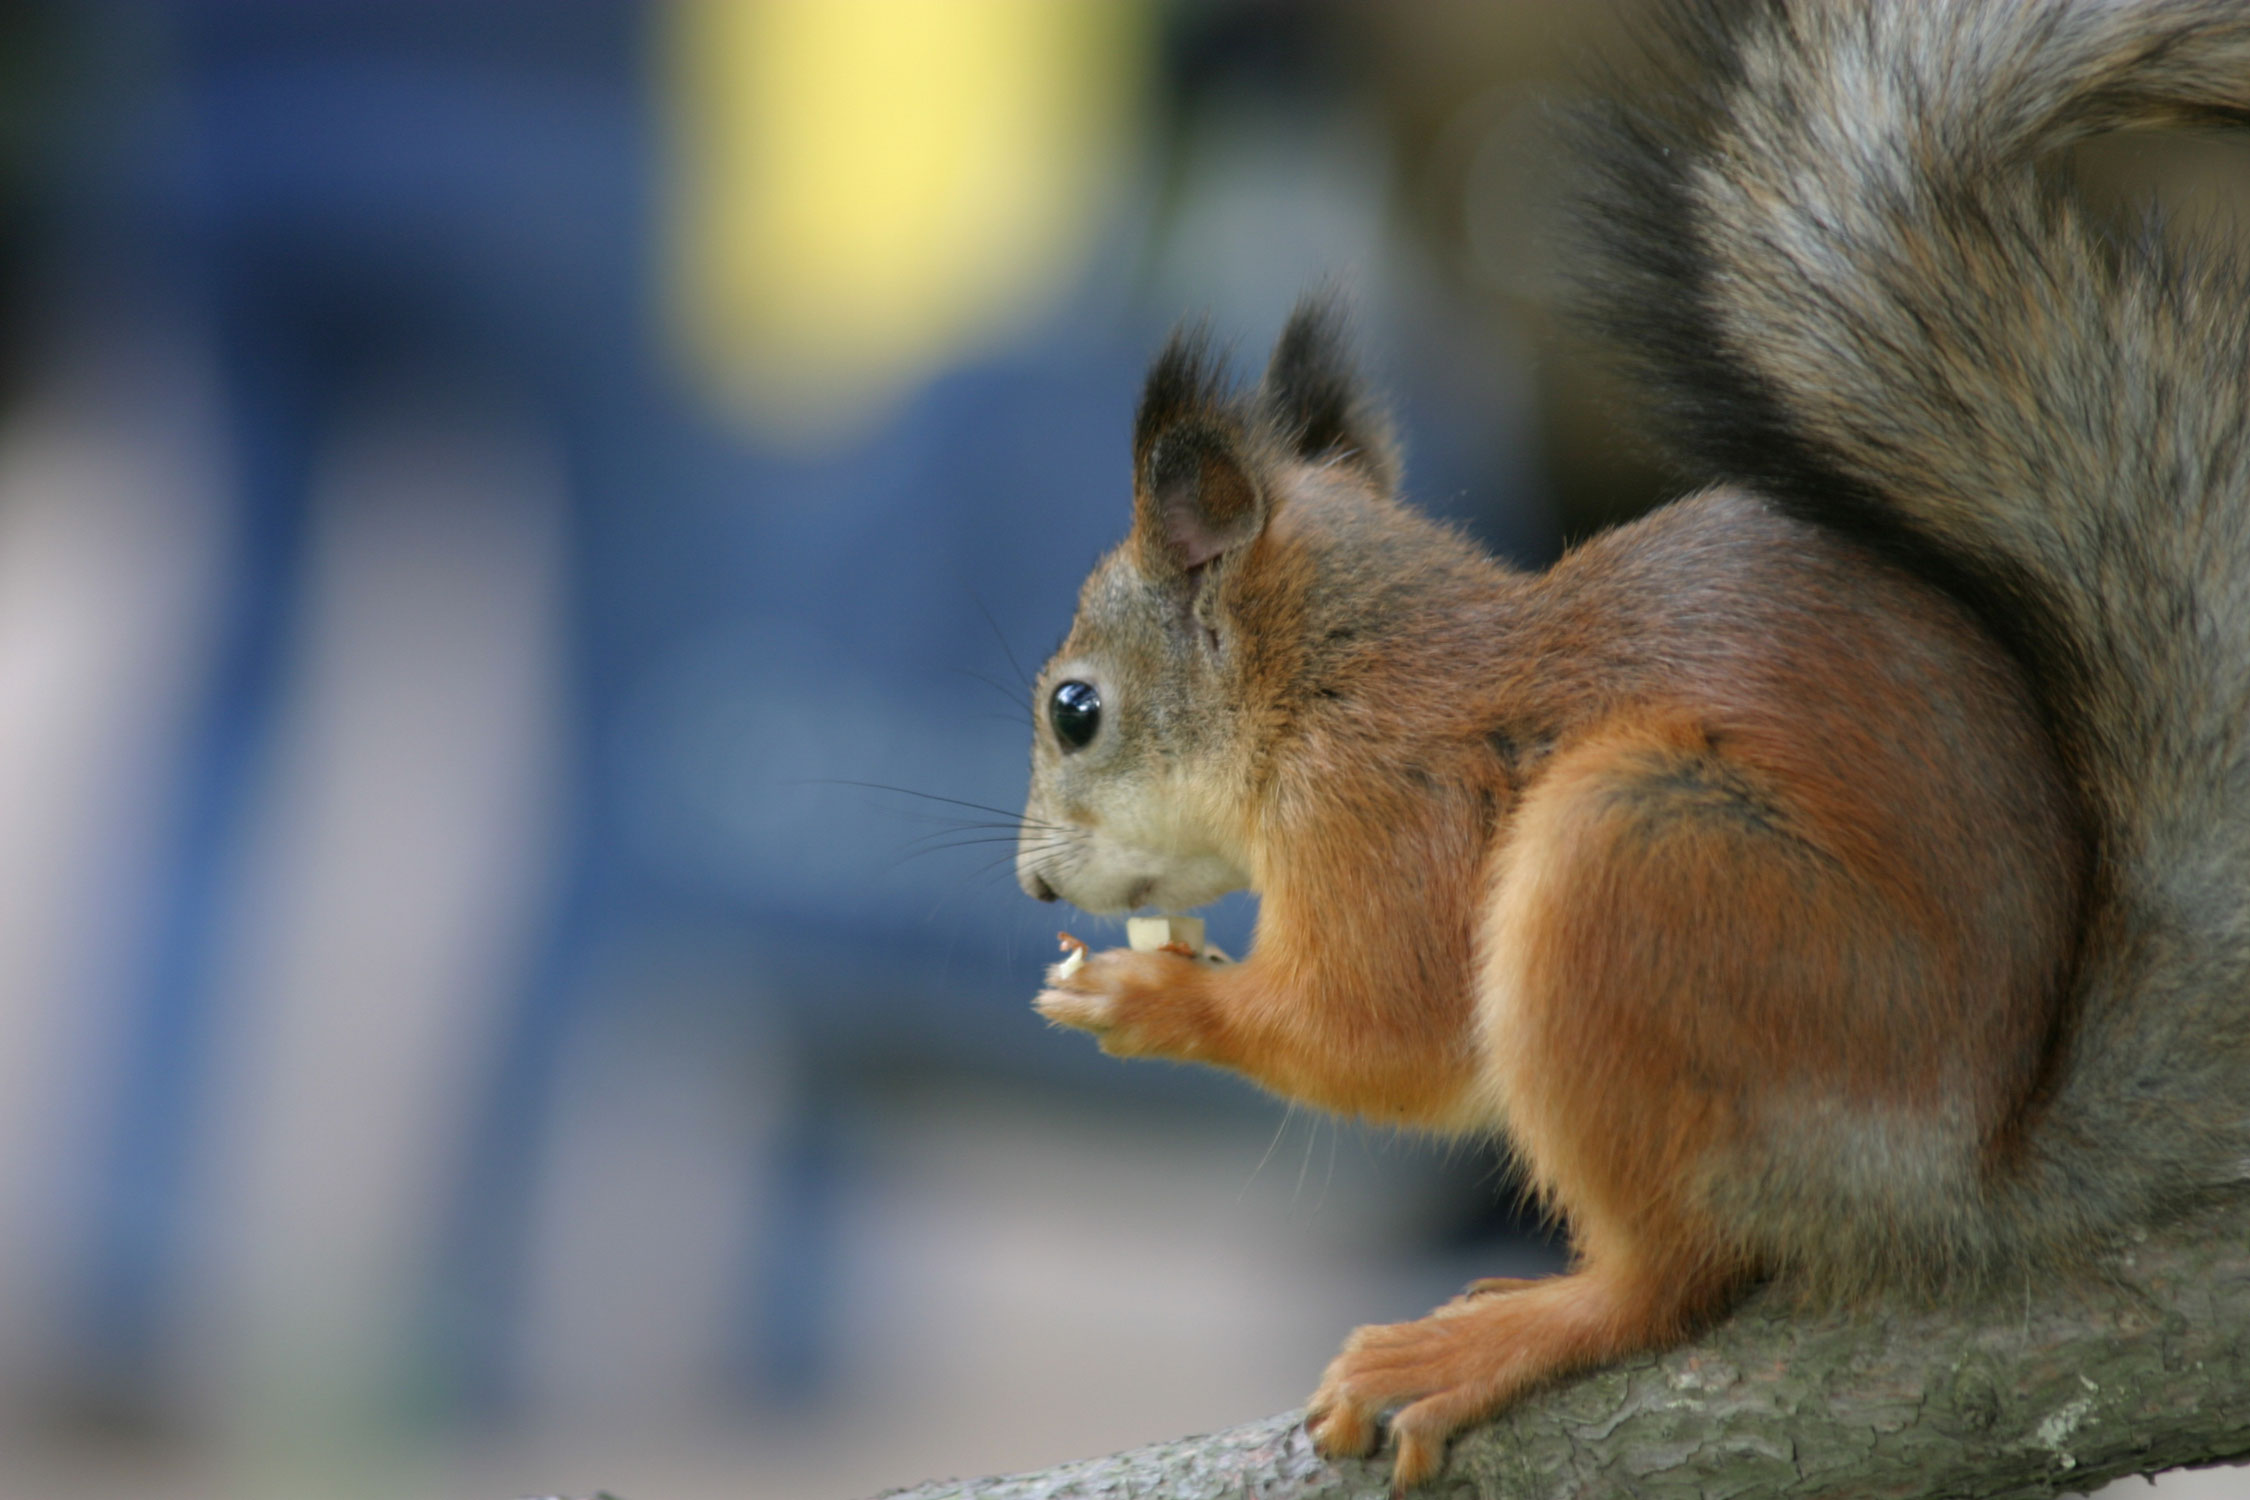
868, 189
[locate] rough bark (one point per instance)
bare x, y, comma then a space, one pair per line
2139, 1365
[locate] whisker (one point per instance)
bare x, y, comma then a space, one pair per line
946, 826
982, 873
1288, 1113
1002, 637
950, 821
992, 867
907, 791
1022, 709
961, 838
1043, 851
1038, 847
1335, 1131
910, 855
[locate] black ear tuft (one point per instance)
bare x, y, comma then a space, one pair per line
1196, 491
1314, 397
1185, 385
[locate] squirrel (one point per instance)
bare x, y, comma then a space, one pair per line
1840, 876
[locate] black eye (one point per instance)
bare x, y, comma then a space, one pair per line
1076, 712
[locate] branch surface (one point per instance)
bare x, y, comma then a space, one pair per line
2141, 1364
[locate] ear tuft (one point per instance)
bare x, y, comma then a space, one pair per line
1315, 399
1185, 384
1196, 491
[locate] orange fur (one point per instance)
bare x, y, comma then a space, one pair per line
1716, 856
1837, 874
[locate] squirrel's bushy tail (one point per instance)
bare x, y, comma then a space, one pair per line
1861, 291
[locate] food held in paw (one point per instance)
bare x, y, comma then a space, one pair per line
1167, 934
1074, 950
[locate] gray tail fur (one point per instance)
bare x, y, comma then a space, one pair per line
1843, 268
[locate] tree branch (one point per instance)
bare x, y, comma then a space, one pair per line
2141, 1364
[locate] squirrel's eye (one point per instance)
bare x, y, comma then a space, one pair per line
1076, 712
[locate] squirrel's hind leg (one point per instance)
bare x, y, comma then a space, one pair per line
1685, 968
1480, 1352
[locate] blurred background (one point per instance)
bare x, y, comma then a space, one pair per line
522, 528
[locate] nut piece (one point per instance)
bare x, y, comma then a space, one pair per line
1181, 935
1074, 950
1155, 934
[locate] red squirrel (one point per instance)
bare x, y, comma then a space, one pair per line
1839, 875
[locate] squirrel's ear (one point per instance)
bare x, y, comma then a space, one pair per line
1196, 498
1314, 398
1195, 491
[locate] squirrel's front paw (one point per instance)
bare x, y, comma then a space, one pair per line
1135, 1004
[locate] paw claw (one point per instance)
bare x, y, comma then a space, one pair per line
1339, 1432
1420, 1456
1435, 1376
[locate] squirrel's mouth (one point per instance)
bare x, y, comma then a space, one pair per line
1106, 877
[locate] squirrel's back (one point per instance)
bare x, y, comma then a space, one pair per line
1858, 293
1822, 861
